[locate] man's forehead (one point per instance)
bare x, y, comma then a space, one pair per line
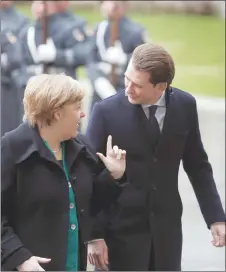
138, 76
131, 68
130, 65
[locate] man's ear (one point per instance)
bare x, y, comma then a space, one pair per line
162, 86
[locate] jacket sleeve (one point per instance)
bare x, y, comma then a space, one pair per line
72, 52
76, 48
106, 191
92, 59
11, 47
72, 56
23, 27
199, 171
13, 253
97, 134
106, 188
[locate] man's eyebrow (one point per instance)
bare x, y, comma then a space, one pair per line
132, 80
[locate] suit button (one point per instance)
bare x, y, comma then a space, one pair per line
73, 227
155, 159
72, 205
74, 178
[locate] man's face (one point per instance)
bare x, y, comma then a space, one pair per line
6, 4
37, 9
52, 7
111, 9
139, 88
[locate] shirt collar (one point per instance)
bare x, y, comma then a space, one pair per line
160, 103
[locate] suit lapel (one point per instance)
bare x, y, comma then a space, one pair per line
139, 127
74, 148
174, 121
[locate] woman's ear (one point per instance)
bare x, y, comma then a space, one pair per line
57, 115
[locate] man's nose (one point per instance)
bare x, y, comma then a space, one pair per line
129, 88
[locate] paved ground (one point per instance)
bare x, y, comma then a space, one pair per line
198, 252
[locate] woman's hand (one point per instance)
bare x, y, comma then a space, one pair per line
115, 160
33, 264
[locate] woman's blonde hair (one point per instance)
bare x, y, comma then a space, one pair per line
44, 94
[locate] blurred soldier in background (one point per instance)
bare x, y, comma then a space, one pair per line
54, 41
65, 14
10, 96
73, 18
114, 40
13, 73
11, 19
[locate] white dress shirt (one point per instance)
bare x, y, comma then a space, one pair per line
160, 111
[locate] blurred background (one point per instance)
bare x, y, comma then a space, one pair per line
194, 33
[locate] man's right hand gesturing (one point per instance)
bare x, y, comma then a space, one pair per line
33, 264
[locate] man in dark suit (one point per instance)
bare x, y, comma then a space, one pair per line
158, 127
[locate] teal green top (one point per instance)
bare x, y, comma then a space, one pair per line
73, 237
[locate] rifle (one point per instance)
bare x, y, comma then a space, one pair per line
113, 38
44, 22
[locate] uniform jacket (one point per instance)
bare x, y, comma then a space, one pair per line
130, 34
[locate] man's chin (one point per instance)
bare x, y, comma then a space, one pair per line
133, 101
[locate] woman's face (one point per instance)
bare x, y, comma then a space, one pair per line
68, 120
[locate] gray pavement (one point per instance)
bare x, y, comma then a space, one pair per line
198, 252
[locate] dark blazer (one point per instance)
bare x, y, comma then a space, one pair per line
148, 211
35, 201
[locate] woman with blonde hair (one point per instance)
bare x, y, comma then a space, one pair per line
52, 182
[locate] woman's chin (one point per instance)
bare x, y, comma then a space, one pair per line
75, 134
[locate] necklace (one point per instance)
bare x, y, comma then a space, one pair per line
56, 151
53, 151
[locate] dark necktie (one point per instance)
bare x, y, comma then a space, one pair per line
153, 125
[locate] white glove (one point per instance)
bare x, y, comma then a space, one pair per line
104, 88
47, 52
116, 55
4, 60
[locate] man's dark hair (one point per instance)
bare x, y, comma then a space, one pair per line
156, 61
